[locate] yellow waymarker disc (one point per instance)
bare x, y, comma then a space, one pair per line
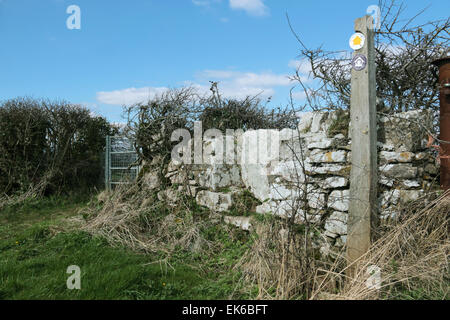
357, 41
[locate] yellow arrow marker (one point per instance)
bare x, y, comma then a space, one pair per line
357, 41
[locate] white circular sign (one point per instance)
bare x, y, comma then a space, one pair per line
359, 62
357, 41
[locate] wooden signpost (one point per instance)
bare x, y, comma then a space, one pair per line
363, 177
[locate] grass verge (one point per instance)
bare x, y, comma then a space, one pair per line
40, 239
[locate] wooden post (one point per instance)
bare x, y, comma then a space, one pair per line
363, 177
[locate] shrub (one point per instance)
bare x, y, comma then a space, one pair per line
54, 145
153, 123
244, 114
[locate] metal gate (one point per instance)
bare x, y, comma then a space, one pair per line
120, 161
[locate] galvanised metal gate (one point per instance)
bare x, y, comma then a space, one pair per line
120, 161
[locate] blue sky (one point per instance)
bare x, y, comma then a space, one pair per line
128, 50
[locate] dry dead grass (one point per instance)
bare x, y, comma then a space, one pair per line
33, 192
133, 217
412, 254
283, 263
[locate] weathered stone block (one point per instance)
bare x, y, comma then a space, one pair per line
316, 200
431, 169
318, 119
320, 156
256, 180
281, 192
330, 169
314, 137
399, 171
290, 171
151, 180
410, 184
216, 201
422, 156
386, 182
394, 157
333, 183
219, 176
305, 122
339, 200
240, 222
402, 131
260, 147
336, 224
324, 144
292, 149
392, 198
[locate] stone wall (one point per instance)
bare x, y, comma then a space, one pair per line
306, 170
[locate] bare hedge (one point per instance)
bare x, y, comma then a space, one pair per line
53, 144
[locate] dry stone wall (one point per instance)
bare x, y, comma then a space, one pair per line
306, 170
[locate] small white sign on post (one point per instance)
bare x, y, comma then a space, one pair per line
357, 41
359, 62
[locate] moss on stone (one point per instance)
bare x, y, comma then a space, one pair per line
340, 125
244, 203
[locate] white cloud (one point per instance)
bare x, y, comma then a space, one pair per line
129, 96
303, 66
201, 3
231, 91
232, 84
235, 84
263, 79
252, 7
246, 79
299, 95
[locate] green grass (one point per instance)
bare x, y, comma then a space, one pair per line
38, 243
400, 291
41, 238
